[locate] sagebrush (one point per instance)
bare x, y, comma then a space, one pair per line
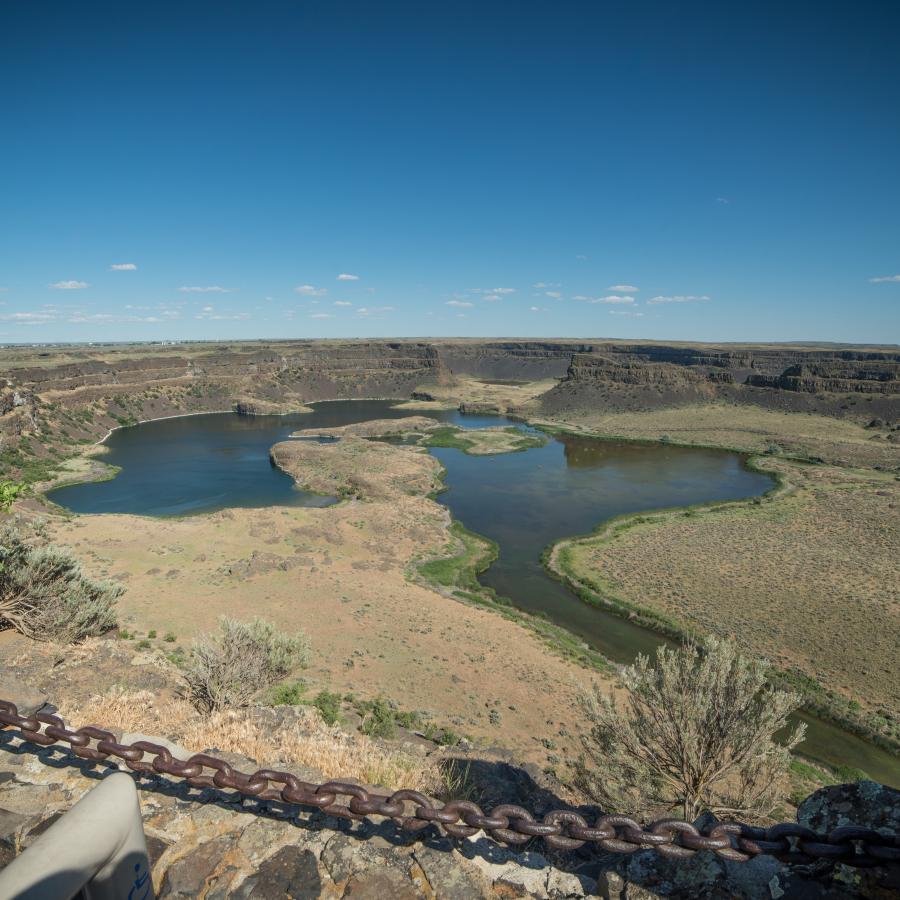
45, 594
695, 732
227, 669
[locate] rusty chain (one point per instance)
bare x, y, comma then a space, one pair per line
507, 823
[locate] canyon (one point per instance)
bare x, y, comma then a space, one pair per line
87, 389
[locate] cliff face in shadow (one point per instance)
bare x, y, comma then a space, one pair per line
632, 377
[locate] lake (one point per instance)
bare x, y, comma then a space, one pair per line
523, 501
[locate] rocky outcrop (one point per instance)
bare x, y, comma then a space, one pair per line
206, 843
249, 407
209, 844
621, 377
525, 360
835, 376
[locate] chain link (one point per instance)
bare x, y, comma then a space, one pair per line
507, 823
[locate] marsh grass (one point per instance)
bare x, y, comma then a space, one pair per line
809, 579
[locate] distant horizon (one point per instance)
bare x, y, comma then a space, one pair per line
692, 172
449, 338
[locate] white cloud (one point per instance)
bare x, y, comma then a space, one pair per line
212, 289
491, 298
321, 316
885, 278
499, 290
625, 312
610, 298
537, 309
29, 318
209, 313
222, 317
461, 303
374, 310
678, 298
556, 295
342, 303
310, 290
623, 288
69, 285
546, 284
122, 267
345, 277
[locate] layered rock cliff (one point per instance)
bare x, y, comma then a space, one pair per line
75, 394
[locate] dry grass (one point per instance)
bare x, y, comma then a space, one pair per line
307, 742
810, 580
748, 428
356, 467
464, 388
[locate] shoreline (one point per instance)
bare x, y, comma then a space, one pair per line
659, 623
647, 618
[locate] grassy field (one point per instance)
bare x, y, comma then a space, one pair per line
810, 580
749, 428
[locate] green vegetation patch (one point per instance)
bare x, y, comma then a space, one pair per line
457, 573
483, 440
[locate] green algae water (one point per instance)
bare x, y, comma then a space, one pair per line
523, 501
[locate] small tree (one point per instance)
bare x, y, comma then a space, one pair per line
696, 731
45, 594
227, 669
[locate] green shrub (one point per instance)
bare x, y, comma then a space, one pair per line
151, 633
849, 774
408, 720
288, 694
9, 491
448, 738
45, 595
170, 637
329, 705
227, 669
379, 720
695, 732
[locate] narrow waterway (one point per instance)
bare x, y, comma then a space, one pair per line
523, 501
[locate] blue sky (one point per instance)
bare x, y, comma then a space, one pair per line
689, 171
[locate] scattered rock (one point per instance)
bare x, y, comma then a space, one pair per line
188, 876
378, 884
450, 875
27, 699
291, 872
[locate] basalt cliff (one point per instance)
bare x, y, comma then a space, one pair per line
77, 393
